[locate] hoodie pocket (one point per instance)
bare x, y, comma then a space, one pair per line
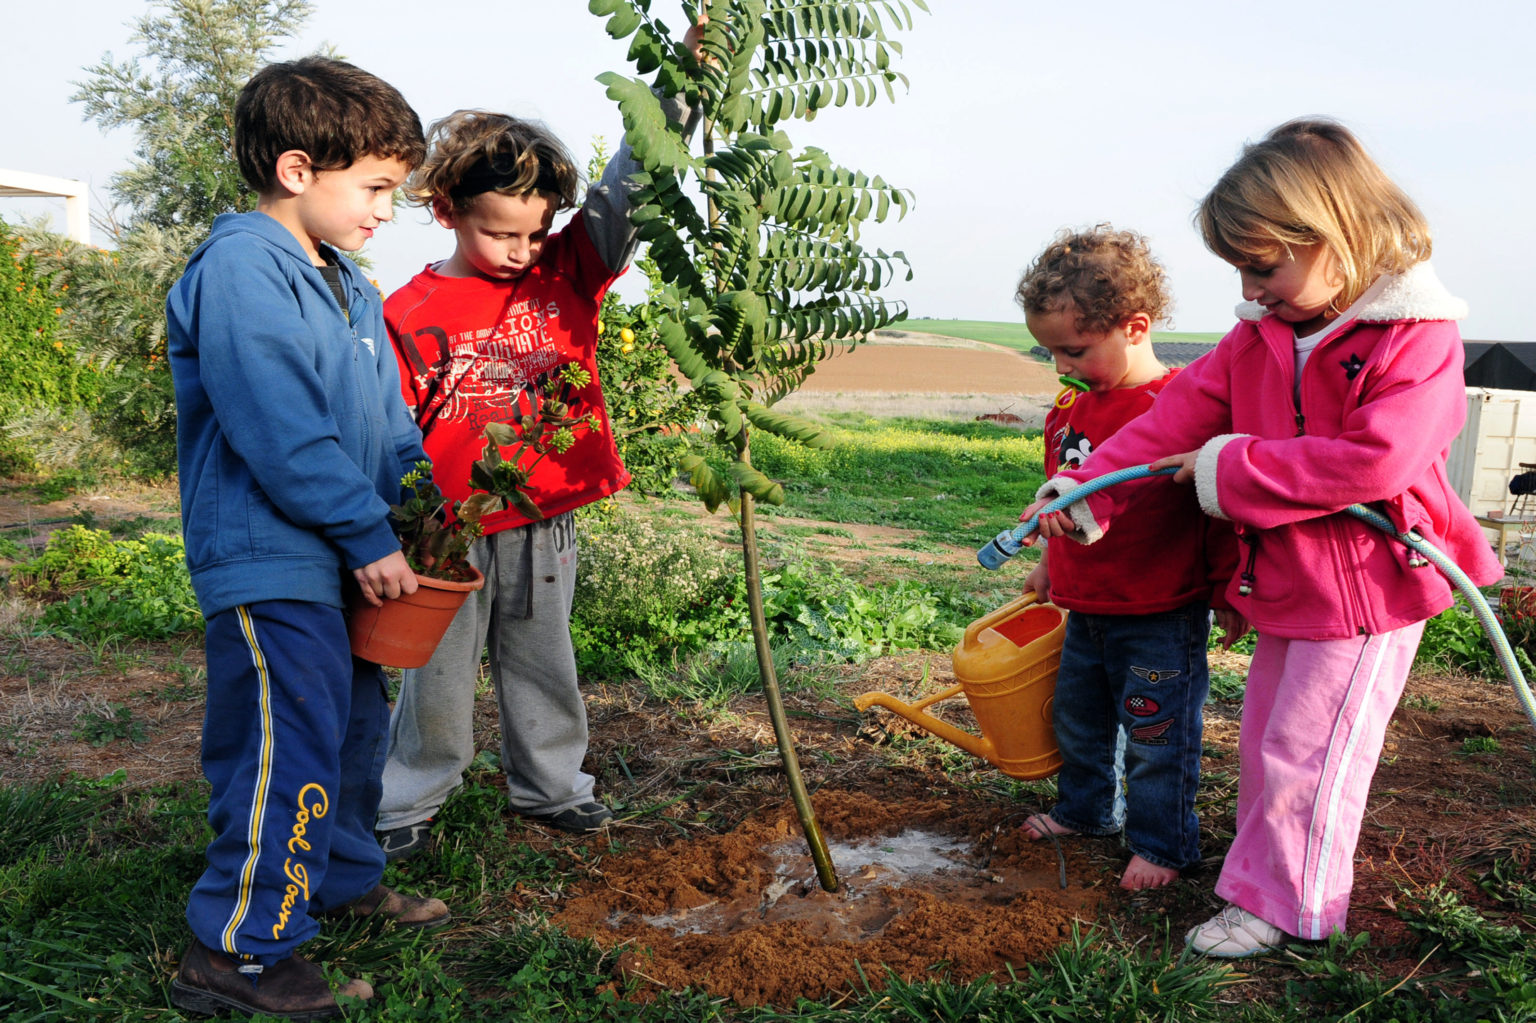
271, 532
1271, 553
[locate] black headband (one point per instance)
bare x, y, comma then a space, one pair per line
484, 176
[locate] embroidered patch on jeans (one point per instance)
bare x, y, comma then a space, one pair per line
1153, 675
1155, 734
1141, 706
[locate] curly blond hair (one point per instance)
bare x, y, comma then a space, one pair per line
525, 153
1108, 276
1310, 181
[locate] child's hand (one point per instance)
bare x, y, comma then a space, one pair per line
1185, 462
390, 576
1039, 580
693, 39
1052, 525
1233, 626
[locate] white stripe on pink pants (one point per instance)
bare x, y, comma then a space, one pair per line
1314, 717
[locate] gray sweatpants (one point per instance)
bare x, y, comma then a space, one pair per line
523, 616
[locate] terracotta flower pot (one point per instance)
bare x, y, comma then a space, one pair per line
404, 631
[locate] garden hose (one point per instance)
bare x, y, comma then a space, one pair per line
1010, 541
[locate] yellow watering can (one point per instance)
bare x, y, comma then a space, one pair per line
1006, 666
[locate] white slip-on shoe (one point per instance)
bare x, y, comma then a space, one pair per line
1234, 933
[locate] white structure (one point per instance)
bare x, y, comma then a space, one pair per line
1497, 442
77, 214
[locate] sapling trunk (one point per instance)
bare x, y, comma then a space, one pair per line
825, 872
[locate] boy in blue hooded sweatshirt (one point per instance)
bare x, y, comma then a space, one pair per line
291, 441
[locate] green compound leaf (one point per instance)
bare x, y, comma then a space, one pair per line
790, 427
756, 484
711, 486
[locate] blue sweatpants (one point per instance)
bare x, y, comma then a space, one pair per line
293, 745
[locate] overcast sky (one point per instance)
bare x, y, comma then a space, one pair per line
1022, 118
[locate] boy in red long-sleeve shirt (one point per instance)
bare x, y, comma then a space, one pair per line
479, 335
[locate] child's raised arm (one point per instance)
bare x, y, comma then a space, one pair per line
607, 206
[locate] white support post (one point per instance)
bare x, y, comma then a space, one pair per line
77, 213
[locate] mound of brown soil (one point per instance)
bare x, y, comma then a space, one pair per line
922, 369
742, 916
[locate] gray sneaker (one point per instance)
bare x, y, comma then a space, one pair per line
403, 843
581, 819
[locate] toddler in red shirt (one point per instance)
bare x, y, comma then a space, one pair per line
1133, 677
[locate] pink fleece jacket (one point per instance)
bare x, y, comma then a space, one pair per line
1381, 399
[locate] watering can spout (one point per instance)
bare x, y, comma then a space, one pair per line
1006, 667
973, 744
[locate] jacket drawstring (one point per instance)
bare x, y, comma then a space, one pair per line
1247, 578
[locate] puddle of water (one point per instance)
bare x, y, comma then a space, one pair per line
909, 854
875, 875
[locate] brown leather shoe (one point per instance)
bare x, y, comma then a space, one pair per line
387, 904
212, 984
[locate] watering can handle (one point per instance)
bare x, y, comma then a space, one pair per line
1006, 611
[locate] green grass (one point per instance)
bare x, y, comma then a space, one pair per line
955, 483
1016, 335
1011, 335
93, 878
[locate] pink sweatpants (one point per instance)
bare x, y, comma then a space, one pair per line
1314, 718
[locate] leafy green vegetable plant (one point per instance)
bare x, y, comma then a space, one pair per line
1455, 639
104, 589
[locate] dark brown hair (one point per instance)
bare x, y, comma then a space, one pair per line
332, 111
1108, 276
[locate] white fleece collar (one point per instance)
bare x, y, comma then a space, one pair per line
1416, 294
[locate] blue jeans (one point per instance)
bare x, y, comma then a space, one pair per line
1128, 717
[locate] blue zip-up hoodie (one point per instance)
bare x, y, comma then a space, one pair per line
291, 435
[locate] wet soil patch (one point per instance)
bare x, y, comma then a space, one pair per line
743, 916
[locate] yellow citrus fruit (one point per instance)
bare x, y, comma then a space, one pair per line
626, 349
599, 326
627, 336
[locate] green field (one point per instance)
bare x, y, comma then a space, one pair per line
1016, 335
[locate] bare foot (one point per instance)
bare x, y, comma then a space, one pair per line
1140, 874
1042, 825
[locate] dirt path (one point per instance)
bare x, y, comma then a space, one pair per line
929, 375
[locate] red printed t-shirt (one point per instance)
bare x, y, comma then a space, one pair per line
1164, 552
474, 351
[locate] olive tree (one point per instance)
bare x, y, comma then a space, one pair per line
177, 94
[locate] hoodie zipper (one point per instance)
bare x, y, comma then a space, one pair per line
1248, 579
1337, 530
365, 425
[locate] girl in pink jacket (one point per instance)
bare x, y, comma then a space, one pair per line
1341, 384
